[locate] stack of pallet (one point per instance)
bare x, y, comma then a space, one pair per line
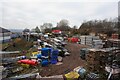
87, 40
96, 59
98, 44
91, 40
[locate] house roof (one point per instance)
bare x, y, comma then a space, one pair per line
3, 30
26, 30
56, 31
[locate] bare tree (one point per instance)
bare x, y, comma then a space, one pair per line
63, 25
98, 26
63, 22
37, 30
46, 26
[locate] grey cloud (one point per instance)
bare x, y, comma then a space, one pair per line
31, 14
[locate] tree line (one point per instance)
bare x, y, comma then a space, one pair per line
99, 26
96, 26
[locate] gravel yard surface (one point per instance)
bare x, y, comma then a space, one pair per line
69, 62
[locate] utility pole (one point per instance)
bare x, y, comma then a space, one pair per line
3, 37
119, 18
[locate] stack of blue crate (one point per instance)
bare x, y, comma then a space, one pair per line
54, 56
44, 56
45, 62
39, 56
44, 52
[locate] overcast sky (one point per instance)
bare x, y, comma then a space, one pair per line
28, 14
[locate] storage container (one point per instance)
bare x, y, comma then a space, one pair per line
115, 36
23, 57
54, 54
44, 51
54, 57
39, 56
27, 61
25, 65
92, 76
34, 53
83, 52
74, 39
53, 61
44, 63
82, 72
72, 76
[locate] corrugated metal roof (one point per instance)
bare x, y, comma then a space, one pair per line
2, 30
